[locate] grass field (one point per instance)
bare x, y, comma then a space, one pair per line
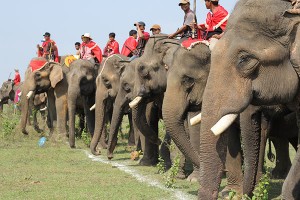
55, 171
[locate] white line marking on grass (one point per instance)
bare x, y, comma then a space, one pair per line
134, 173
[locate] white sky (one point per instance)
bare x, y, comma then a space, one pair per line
23, 24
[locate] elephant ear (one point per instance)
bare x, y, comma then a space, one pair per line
120, 67
56, 74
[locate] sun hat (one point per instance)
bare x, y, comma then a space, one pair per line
87, 35
183, 2
155, 26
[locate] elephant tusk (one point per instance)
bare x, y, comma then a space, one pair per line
223, 124
195, 120
93, 107
43, 109
135, 102
20, 94
29, 94
0, 100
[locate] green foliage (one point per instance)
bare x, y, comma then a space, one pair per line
8, 124
232, 194
170, 176
86, 137
161, 165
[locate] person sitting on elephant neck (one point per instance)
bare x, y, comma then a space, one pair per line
48, 49
186, 30
17, 78
129, 46
156, 29
112, 46
143, 38
216, 21
89, 50
77, 47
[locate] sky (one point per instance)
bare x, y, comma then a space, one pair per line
23, 24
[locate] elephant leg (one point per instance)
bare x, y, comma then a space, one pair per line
182, 163
233, 165
51, 116
283, 161
61, 108
150, 156
165, 151
291, 185
195, 141
90, 115
35, 122
131, 139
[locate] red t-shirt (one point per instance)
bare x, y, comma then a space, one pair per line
129, 46
17, 78
111, 48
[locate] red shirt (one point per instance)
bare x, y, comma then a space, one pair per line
17, 78
112, 47
129, 46
90, 50
49, 47
217, 19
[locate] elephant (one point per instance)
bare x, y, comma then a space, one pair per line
107, 84
81, 94
8, 91
124, 96
186, 82
51, 78
256, 62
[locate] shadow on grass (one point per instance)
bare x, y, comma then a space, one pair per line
275, 188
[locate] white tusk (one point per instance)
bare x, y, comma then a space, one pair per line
20, 94
135, 102
43, 109
195, 120
93, 107
0, 100
223, 124
29, 94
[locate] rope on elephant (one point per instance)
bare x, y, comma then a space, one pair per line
107, 60
143, 179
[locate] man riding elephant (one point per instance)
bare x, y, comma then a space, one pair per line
48, 49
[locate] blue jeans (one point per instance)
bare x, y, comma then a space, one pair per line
133, 57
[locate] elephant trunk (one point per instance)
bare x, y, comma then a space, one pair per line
173, 115
101, 104
24, 110
72, 97
140, 120
117, 116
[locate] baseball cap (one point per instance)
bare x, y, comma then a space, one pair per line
183, 2
155, 26
141, 23
47, 34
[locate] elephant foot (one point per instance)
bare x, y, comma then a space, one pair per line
194, 176
110, 155
279, 173
225, 193
102, 145
37, 129
148, 162
24, 132
181, 175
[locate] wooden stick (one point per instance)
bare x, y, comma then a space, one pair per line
194, 21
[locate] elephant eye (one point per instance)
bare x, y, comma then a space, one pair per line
106, 83
188, 82
247, 64
126, 87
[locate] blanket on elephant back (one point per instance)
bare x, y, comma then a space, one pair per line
37, 64
190, 43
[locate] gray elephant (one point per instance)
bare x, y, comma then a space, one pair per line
81, 94
51, 78
123, 97
256, 62
108, 83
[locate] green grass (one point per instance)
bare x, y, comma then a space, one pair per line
55, 171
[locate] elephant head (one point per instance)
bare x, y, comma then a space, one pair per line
39, 81
6, 92
255, 62
107, 83
151, 80
121, 107
82, 83
187, 78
